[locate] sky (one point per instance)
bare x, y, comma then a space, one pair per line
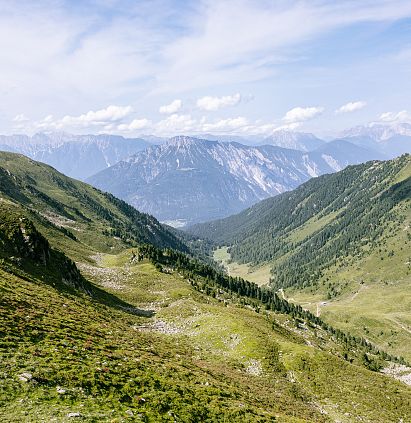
169, 67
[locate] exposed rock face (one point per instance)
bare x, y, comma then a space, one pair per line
23, 245
188, 180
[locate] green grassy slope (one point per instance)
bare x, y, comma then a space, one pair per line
196, 359
79, 210
339, 245
127, 342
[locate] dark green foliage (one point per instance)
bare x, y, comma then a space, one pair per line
360, 200
209, 280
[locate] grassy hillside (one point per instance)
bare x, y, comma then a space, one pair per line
339, 245
80, 211
198, 358
147, 334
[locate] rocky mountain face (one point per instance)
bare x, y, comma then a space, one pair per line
294, 140
188, 180
78, 156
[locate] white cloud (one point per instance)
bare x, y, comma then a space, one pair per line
173, 107
394, 117
175, 124
226, 125
111, 115
352, 106
20, 118
99, 117
236, 41
301, 114
88, 54
134, 125
209, 103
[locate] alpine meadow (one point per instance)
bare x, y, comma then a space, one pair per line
205, 211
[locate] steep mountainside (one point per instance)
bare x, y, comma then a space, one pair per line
188, 180
342, 237
341, 153
294, 140
246, 140
78, 156
76, 208
149, 334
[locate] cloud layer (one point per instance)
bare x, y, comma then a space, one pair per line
212, 104
302, 114
396, 117
352, 106
173, 107
85, 55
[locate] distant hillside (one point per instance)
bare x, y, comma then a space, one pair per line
78, 156
339, 243
325, 219
295, 140
80, 211
390, 140
189, 180
341, 153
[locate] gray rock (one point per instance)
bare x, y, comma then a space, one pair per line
75, 414
25, 377
189, 180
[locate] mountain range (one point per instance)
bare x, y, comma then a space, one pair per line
390, 140
186, 180
189, 180
295, 140
78, 156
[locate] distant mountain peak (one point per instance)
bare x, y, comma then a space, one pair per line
78, 156
379, 132
295, 140
191, 180
187, 141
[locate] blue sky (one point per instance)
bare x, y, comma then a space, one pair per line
172, 67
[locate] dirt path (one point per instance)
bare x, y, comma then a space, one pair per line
319, 305
362, 287
281, 291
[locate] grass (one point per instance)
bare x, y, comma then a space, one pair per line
311, 226
258, 274
107, 368
196, 359
372, 295
190, 357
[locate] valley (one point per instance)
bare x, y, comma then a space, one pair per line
259, 274
143, 331
363, 288
205, 211
189, 180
